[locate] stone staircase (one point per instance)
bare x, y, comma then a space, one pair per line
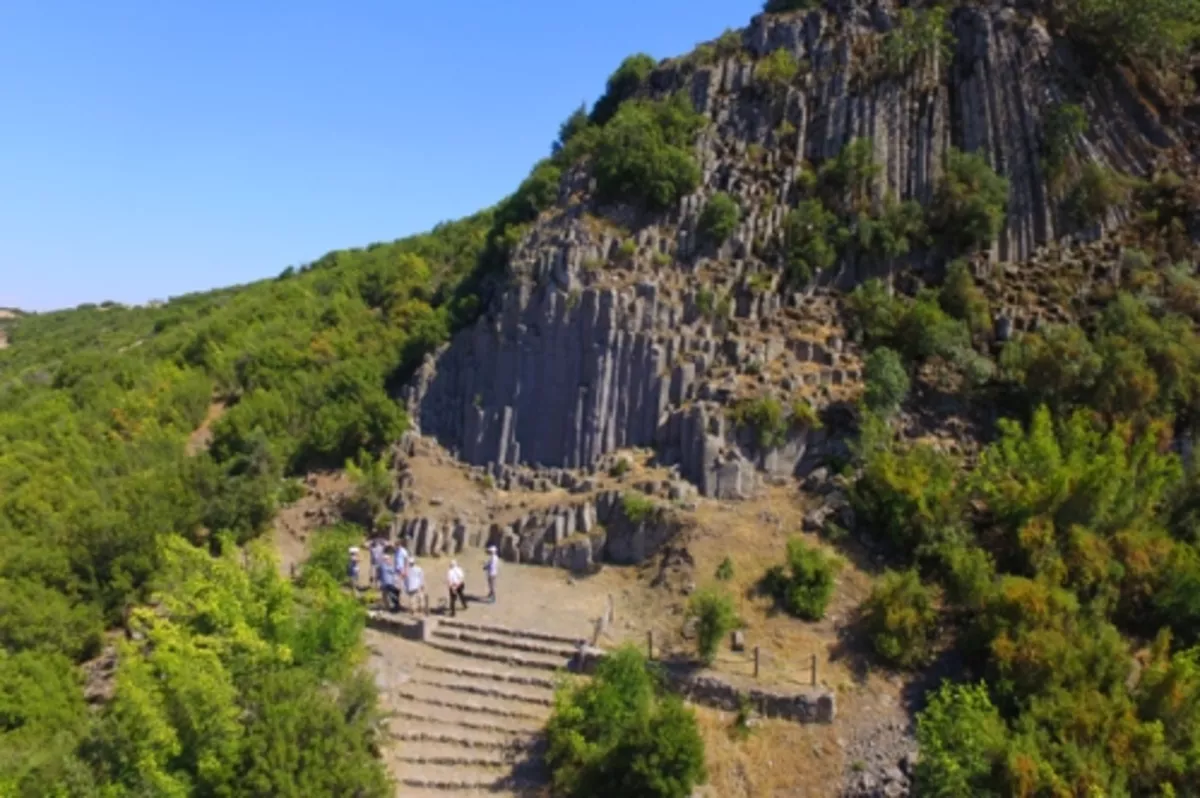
467, 704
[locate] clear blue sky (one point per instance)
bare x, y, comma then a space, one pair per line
154, 147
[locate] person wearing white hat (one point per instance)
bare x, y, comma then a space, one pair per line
352, 568
456, 581
414, 587
491, 567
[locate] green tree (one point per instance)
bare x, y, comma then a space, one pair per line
963, 741
970, 203
644, 153
811, 238
622, 85
900, 617
887, 381
618, 733
804, 585
715, 618
719, 219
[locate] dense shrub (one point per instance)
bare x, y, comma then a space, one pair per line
804, 585
916, 37
811, 240
963, 740
900, 618
622, 85
962, 299
1158, 31
766, 416
886, 379
970, 203
893, 232
777, 69
617, 734
719, 218
644, 153
715, 616
637, 506
1062, 125
1099, 188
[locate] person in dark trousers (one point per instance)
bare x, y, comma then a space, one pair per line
455, 579
387, 583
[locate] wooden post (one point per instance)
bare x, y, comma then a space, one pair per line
650, 644
814, 670
611, 609
292, 569
756, 662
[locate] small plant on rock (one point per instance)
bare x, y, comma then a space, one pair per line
725, 570
777, 69
637, 506
715, 616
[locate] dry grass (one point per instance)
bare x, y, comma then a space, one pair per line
775, 759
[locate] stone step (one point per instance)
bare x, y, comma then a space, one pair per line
512, 658
492, 629
415, 731
504, 642
487, 691
425, 753
512, 728
527, 680
461, 780
448, 699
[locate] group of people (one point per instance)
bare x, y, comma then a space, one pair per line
394, 570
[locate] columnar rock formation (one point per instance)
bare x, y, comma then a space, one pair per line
606, 337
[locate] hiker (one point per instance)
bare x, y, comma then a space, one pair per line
491, 567
414, 587
402, 559
387, 583
375, 548
352, 568
455, 579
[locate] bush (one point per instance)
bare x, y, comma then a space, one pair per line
962, 298
715, 618
725, 570
637, 506
622, 85
916, 36
805, 415
804, 586
970, 203
644, 153
887, 381
719, 219
777, 69
845, 180
765, 415
963, 741
1099, 188
900, 618
811, 240
1159, 31
1062, 125
617, 734
894, 232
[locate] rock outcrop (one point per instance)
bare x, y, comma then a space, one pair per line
607, 337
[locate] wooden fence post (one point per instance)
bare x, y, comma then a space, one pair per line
650, 644
814, 670
756, 662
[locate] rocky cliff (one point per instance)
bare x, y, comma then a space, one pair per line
606, 338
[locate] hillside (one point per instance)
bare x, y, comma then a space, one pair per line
901, 296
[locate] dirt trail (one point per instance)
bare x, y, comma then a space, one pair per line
201, 437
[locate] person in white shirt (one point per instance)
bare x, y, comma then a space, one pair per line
455, 580
492, 568
414, 587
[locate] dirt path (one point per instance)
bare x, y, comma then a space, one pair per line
201, 437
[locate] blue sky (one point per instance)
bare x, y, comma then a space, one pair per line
154, 147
